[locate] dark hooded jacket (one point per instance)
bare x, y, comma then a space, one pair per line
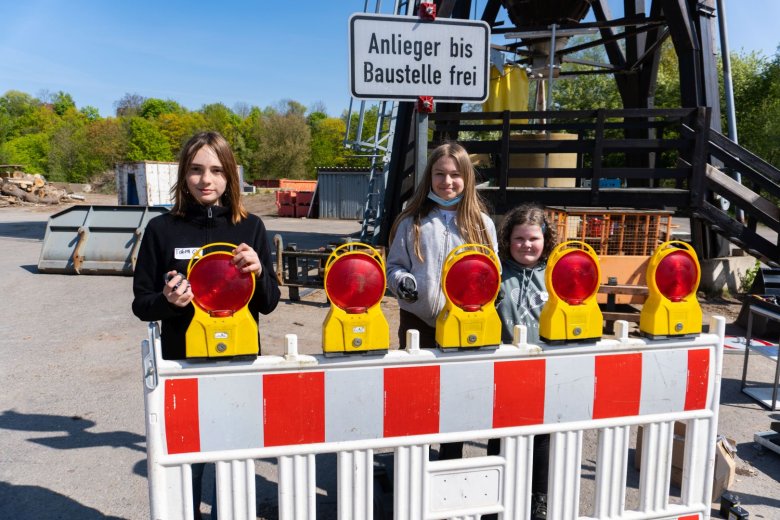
168, 244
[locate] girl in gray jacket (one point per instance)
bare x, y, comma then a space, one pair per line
525, 241
445, 212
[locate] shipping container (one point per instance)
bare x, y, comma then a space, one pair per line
342, 193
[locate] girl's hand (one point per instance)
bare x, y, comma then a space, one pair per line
177, 290
246, 259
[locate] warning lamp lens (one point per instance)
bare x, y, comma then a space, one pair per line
575, 277
472, 282
355, 282
676, 275
218, 285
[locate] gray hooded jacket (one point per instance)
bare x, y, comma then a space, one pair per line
438, 236
524, 296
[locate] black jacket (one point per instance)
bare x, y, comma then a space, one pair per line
168, 244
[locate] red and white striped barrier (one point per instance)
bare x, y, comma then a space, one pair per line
294, 407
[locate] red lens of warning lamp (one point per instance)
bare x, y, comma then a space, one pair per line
575, 277
677, 275
471, 282
355, 283
218, 286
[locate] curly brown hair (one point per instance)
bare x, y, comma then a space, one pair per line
525, 214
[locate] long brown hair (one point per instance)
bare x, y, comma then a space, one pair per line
183, 199
525, 214
470, 208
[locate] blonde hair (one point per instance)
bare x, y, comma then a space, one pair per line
470, 208
183, 199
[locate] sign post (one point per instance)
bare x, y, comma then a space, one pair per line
405, 57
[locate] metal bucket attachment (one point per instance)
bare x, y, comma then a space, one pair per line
95, 239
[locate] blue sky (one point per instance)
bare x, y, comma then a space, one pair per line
257, 52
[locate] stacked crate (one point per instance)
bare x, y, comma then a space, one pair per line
303, 203
285, 203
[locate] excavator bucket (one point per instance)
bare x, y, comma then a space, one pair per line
95, 239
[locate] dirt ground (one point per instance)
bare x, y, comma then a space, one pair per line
71, 413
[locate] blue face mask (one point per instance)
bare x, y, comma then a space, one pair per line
444, 203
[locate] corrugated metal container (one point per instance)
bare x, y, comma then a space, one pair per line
342, 193
149, 183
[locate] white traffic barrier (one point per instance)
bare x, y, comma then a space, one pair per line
294, 407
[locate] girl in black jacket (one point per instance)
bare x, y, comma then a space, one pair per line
207, 208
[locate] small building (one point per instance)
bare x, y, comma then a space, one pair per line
342, 192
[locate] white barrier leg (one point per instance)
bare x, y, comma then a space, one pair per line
184, 477
656, 466
411, 464
297, 487
696, 483
611, 472
517, 451
355, 484
563, 496
236, 489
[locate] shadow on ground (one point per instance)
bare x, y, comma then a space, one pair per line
35, 502
26, 230
74, 431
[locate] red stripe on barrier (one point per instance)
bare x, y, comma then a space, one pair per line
518, 397
698, 379
689, 517
411, 401
618, 385
294, 408
182, 432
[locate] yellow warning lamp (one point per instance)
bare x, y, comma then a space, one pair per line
470, 281
355, 284
572, 280
671, 308
222, 324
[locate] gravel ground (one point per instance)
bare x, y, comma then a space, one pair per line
71, 413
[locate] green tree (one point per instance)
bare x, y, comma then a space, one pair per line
283, 146
90, 112
61, 102
146, 142
129, 104
24, 115
29, 150
103, 143
219, 118
327, 138
152, 108
64, 160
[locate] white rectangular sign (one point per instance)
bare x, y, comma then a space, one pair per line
403, 57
